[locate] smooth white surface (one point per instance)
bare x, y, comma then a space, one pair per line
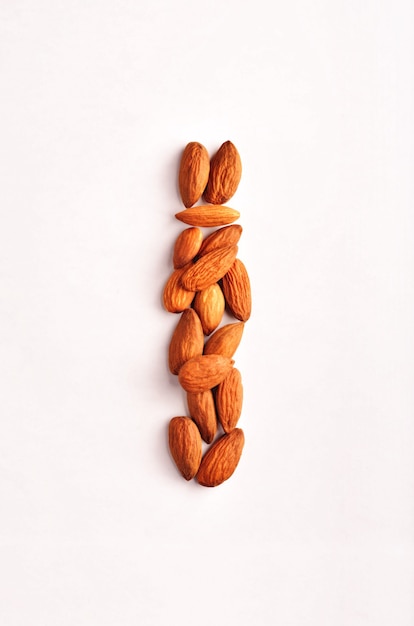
98, 99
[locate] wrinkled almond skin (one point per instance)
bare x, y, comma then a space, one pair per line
229, 400
175, 298
209, 306
208, 215
225, 174
186, 246
221, 460
209, 269
193, 172
204, 372
185, 445
237, 292
202, 410
186, 342
225, 340
225, 236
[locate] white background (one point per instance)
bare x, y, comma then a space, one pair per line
98, 99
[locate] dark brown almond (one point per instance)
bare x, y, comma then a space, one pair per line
186, 342
221, 460
185, 445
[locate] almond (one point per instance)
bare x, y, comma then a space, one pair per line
236, 289
186, 342
209, 306
208, 215
202, 410
185, 445
187, 246
225, 174
204, 372
175, 297
221, 460
225, 236
229, 400
225, 340
193, 172
208, 269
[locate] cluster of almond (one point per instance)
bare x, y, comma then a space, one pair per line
208, 279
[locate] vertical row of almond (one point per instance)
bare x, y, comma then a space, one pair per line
208, 279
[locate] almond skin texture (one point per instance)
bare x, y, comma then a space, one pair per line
237, 293
186, 246
202, 410
204, 372
185, 446
220, 461
209, 306
225, 340
186, 342
175, 298
225, 174
225, 236
229, 400
208, 215
209, 269
193, 172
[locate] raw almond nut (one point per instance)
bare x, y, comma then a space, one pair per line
204, 372
225, 340
209, 306
185, 445
187, 246
225, 236
236, 289
175, 297
209, 268
186, 342
229, 400
202, 410
208, 216
193, 172
225, 174
221, 460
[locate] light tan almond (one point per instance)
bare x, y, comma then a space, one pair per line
236, 289
209, 269
204, 372
229, 400
221, 460
185, 445
209, 306
225, 174
208, 215
175, 297
186, 342
193, 172
225, 340
202, 409
186, 246
225, 236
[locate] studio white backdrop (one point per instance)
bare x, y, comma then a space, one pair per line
98, 99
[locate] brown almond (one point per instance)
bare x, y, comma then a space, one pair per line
209, 306
221, 460
175, 297
187, 246
208, 216
225, 236
185, 445
225, 174
193, 172
229, 400
209, 269
204, 372
225, 340
202, 410
236, 289
186, 342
